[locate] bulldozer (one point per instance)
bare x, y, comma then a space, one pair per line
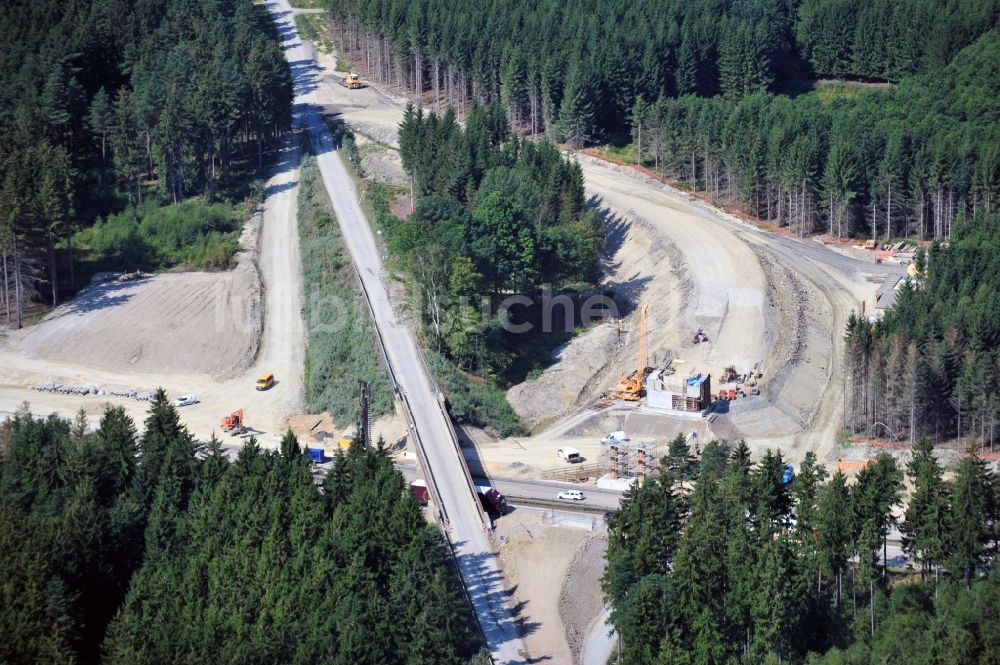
632, 387
352, 81
234, 423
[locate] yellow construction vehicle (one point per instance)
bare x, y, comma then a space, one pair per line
632, 387
352, 81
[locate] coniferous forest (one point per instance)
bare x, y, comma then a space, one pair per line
125, 548
720, 95
110, 104
721, 561
495, 214
930, 367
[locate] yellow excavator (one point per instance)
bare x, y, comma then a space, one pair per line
352, 81
632, 387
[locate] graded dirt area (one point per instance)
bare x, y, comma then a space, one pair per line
200, 333
536, 559
170, 323
581, 603
727, 284
368, 110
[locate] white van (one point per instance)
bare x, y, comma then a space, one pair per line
615, 437
571, 455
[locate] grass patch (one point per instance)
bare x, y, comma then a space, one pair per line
341, 340
152, 237
310, 26
622, 153
830, 90
308, 4
479, 404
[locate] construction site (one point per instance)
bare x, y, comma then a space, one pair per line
727, 332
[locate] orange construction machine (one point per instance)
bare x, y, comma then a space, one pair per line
631, 387
233, 423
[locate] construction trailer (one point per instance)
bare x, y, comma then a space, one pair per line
668, 390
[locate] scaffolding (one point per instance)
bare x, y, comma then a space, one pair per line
629, 459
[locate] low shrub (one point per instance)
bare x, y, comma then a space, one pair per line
479, 404
150, 238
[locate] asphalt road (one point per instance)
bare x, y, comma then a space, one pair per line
476, 559
536, 490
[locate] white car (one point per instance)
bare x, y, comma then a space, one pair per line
570, 495
185, 400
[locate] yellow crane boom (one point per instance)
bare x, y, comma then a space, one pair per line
631, 388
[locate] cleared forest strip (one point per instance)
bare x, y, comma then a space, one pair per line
341, 344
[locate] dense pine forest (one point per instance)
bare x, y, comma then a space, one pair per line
124, 548
718, 95
722, 561
495, 214
106, 104
930, 366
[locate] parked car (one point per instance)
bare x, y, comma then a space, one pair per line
571, 455
615, 437
185, 400
570, 495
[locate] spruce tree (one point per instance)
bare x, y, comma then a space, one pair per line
971, 496
806, 490
925, 528
576, 112
834, 527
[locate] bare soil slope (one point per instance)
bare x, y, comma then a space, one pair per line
728, 284
536, 559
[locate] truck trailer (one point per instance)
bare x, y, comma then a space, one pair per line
492, 500
420, 492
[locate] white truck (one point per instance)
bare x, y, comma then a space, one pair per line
571, 455
615, 437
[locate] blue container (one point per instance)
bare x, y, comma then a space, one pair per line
315, 454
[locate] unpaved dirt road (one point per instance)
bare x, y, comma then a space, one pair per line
368, 110
186, 332
725, 296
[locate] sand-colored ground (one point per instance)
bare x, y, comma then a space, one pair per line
198, 333
725, 285
368, 110
536, 559
581, 602
166, 324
